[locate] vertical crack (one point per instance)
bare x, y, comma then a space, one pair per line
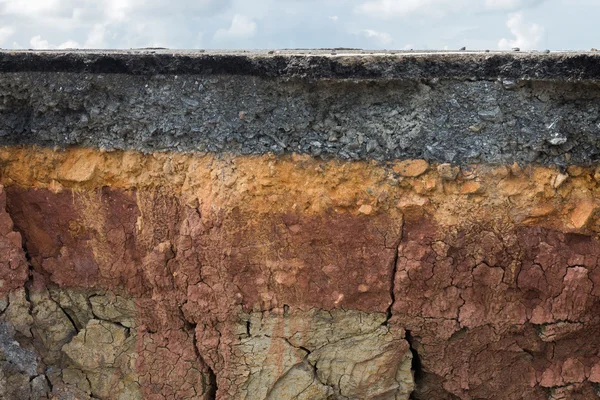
392, 289
64, 311
49, 383
393, 278
416, 366
29, 282
212, 377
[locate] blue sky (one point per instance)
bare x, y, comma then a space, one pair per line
260, 24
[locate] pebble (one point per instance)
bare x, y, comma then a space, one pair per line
448, 172
559, 180
365, 209
412, 168
597, 174
492, 115
470, 187
509, 84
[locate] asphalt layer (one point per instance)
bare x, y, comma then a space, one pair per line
315, 64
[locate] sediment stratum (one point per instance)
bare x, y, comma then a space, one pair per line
299, 225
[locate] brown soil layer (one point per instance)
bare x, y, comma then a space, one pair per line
283, 277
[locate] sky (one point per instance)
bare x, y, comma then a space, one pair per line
268, 24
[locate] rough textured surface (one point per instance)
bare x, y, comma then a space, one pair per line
270, 276
498, 112
319, 355
314, 64
484, 299
248, 270
13, 265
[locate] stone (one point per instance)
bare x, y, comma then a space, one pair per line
39, 387
557, 139
597, 174
471, 187
582, 213
509, 84
412, 200
17, 312
411, 168
595, 374
365, 209
575, 170
516, 169
573, 371
552, 377
491, 115
448, 172
559, 180
80, 170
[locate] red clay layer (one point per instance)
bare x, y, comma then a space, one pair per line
493, 310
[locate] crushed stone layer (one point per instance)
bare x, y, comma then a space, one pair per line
456, 107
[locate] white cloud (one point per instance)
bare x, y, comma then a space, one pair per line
241, 27
199, 40
110, 23
95, 38
5, 33
292, 23
124, 10
29, 7
37, 42
509, 4
69, 44
381, 38
386, 9
526, 35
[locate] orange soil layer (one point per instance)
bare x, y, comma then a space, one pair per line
521, 194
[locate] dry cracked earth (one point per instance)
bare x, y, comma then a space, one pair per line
136, 274
131, 276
